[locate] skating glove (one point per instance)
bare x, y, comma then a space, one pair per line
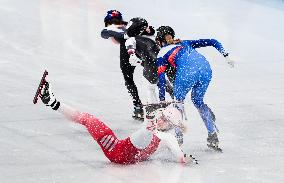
134, 60
125, 36
188, 160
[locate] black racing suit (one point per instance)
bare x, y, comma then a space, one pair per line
126, 68
147, 50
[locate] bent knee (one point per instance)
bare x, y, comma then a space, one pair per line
197, 102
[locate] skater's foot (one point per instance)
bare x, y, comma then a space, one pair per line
48, 98
138, 113
213, 141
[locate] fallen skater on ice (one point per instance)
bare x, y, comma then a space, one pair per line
139, 146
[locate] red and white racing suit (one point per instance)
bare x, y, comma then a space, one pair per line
139, 146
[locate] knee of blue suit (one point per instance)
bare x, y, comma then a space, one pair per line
197, 102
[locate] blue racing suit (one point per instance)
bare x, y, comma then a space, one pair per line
193, 72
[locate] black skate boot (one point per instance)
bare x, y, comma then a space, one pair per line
138, 113
47, 97
213, 141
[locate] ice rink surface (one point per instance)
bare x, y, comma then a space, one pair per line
38, 145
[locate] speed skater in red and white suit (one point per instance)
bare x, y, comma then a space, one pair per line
139, 146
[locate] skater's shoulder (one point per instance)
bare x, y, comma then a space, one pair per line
167, 49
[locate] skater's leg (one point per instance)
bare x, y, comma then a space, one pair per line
96, 128
128, 71
181, 89
197, 95
208, 117
69, 112
185, 79
151, 92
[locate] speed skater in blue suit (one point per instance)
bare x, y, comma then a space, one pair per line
193, 72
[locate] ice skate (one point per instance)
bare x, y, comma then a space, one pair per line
138, 113
44, 92
40, 87
47, 97
213, 142
190, 159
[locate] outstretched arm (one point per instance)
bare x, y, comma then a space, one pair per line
113, 31
171, 142
209, 42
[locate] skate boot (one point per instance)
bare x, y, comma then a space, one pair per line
47, 97
138, 113
213, 141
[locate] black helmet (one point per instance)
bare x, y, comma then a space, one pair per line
162, 32
136, 26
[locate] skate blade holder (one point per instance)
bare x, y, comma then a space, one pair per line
40, 86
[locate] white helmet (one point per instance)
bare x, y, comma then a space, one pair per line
166, 118
173, 115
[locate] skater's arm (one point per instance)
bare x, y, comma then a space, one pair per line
208, 42
162, 86
162, 80
171, 142
130, 45
113, 31
162, 77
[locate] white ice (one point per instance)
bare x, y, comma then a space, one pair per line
37, 145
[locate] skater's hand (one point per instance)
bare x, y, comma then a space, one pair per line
189, 160
230, 61
125, 36
134, 60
